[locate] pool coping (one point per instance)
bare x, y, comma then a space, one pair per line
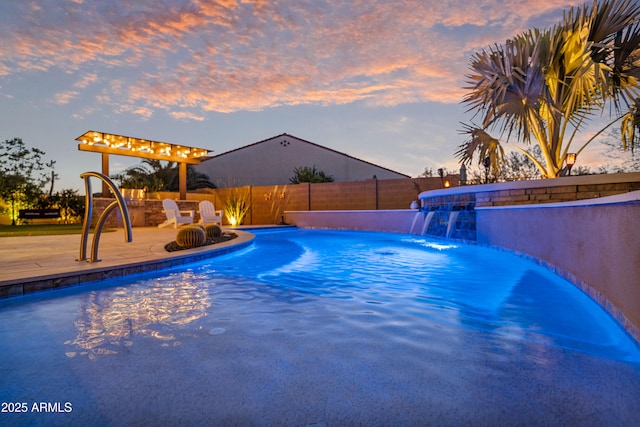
157, 258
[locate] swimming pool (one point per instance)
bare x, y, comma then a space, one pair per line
319, 327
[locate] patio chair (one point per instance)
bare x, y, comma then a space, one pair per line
174, 215
209, 214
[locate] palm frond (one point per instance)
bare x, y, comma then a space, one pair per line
482, 143
509, 87
630, 128
544, 85
614, 37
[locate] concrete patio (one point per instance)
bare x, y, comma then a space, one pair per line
35, 263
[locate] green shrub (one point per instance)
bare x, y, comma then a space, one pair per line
213, 231
191, 236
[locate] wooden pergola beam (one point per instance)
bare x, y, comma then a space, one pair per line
142, 155
107, 143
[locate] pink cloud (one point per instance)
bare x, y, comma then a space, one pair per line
182, 115
144, 112
4, 70
64, 97
188, 58
86, 80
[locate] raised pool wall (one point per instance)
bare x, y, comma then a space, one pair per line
586, 228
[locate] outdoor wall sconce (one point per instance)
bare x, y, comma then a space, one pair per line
571, 160
447, 184
267, 197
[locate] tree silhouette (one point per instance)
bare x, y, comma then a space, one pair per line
157, 175
309, 174
23, 174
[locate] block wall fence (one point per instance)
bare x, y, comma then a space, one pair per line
269, 203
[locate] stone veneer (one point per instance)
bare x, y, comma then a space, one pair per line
465, 199
143, 212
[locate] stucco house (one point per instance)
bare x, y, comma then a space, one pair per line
272, 161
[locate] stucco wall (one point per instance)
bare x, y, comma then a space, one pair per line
271, 162
396, 221
595, 245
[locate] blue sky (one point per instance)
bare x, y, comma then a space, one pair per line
379, 80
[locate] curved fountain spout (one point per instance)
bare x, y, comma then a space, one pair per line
88, 215
427, 221
453, 217
413, 223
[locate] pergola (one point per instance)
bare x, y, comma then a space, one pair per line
108, 143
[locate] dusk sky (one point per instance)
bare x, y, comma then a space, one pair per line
378, 80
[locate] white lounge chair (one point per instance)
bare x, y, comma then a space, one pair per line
209, 214
174, 215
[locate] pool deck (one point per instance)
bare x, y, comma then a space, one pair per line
36, 263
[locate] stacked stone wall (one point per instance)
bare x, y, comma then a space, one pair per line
561, 193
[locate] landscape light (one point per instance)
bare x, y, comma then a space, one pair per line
571, 160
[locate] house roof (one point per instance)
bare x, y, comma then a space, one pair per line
310, 143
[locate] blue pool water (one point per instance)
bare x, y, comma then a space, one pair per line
310, 327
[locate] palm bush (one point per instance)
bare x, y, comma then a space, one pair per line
309, 174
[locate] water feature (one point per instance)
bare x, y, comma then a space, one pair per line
451, 220
427, 221
451, 223
415, 220
323, 327
427, 217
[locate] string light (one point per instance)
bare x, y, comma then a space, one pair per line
125, 145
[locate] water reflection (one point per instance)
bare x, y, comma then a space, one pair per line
110, 319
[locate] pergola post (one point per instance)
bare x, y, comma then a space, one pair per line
105, 172
182, 174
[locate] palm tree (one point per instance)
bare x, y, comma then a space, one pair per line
544, 85
157, 176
